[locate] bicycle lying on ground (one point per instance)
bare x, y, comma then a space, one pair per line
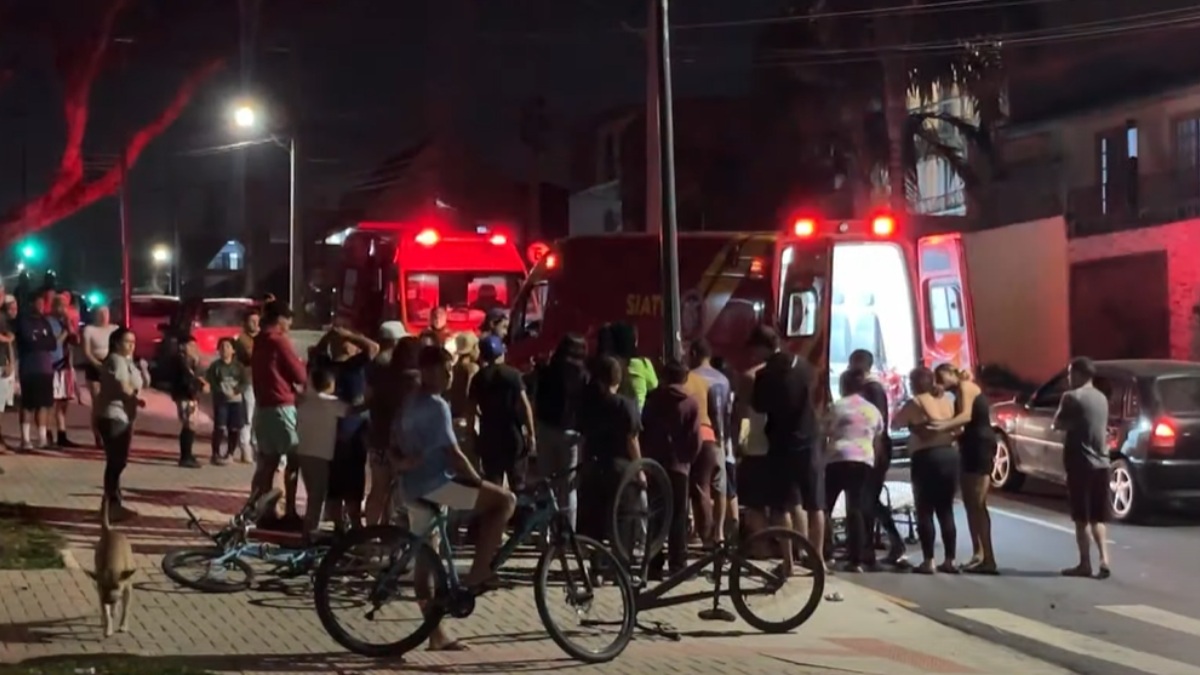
223, 565
424, 562
641, 515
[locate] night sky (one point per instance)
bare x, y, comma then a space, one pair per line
369, 76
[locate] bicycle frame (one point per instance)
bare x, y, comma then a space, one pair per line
656, 597
232, 540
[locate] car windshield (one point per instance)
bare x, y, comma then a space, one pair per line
222, 314
468, 295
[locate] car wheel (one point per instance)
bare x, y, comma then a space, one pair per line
1005, 475
1125, 498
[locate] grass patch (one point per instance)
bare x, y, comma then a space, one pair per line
103, 666
26, 544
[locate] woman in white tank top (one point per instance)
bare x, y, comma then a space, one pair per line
96, 343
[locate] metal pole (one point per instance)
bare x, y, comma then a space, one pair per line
293, 296
669, 240
126, 282
653, 138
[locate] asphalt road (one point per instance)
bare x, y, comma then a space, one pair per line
1145, 619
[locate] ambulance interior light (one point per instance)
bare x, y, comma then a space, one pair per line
428, 237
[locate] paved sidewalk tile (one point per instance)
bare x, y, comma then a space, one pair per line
275, 630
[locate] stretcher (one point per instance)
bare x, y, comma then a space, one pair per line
897, 496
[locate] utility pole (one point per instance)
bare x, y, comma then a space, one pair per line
294, 292
660, 28
126, 282
653, 213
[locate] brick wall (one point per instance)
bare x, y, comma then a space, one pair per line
1181, 241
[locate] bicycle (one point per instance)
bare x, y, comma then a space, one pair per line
224, 563
646, 481
430, 552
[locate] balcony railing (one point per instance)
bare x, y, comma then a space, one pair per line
1150, 199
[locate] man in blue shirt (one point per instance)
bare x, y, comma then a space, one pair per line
436, 472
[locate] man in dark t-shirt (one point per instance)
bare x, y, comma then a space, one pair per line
35, 351
497, 396
609, 424
783, 391
1083, 415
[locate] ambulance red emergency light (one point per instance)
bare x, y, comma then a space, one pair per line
403, 271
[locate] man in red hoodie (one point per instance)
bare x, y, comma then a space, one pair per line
276, 374
671, 437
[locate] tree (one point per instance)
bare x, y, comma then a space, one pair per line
855, 65
83, 38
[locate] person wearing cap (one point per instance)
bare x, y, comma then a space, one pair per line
505, 432
381, 406
796, 482
276, 374
495, 323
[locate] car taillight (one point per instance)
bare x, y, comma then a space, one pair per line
1162, 435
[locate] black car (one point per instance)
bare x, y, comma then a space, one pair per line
1154, 434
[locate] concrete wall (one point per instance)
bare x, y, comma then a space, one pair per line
1181, 241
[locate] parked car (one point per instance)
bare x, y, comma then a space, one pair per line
147, 314
1153, 434
207, 320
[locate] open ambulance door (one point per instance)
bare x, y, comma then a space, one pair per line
946, 329
805, 274
1019, 281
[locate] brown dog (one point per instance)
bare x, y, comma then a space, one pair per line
113, 574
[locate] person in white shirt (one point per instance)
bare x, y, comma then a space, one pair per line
317, 416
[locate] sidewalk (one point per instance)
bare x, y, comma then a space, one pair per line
54, 613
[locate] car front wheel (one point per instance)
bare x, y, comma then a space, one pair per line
1005, 475
1128, 504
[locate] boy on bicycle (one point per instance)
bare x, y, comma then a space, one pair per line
435, 471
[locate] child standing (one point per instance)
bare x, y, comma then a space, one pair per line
228, 380
186, 387
317, 417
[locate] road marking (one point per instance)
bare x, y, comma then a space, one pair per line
1075, 643
1156, 617
1068, 529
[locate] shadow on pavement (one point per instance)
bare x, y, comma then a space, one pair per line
466, 662
42, 632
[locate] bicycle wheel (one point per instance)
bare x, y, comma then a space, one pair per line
774, 550
641, 513
379, 563
229, 575
592, 581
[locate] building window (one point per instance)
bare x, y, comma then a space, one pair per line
1187, 158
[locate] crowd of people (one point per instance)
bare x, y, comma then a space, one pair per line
442, 418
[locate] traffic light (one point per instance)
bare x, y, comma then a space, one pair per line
94, 299
31, 251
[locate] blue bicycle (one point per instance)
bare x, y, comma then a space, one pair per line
222, 567
394, 569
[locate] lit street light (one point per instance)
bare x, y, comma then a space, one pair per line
245, 117
161, 255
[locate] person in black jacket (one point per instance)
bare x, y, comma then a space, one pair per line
873, 391
186, 384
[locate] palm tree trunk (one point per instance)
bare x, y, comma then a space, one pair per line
895, 110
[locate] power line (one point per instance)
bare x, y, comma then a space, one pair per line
933, 8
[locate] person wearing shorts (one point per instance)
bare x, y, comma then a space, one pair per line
712, 392
64, 373
35, 351
436, 474
276, 374
1083, 416
795, 479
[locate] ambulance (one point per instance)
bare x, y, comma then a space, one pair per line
994, 297
402, 271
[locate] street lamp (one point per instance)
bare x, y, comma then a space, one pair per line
246, 118
161, 255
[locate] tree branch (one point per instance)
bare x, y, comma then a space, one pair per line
57, 204
78, 78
